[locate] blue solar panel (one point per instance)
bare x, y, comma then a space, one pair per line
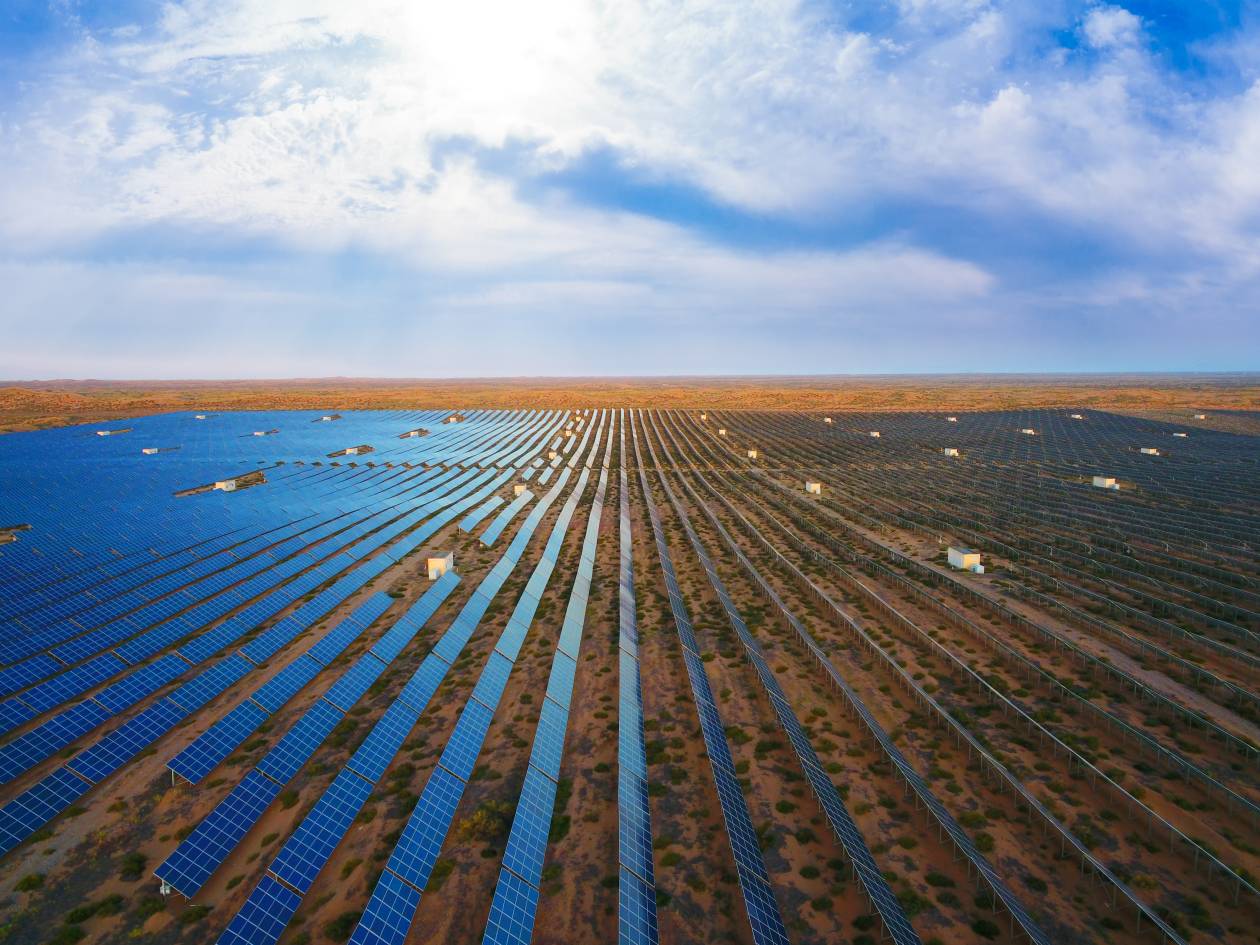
377, 750
634, 828
548, 747
421, 839
32, 747
353, 683
122, 744
140, 683
527, 843
512, 911
36, 806
14, 713
217, 742
195, 860
262, 919
636, 910
305, 853
288, 755
460, 755
210, 682
493, 680
560, 683
287, 683
389, 913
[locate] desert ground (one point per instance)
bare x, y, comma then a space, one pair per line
29, 405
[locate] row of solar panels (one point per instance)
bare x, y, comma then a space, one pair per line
394, 900
196, 859
636, 888
273, 902
1163, 513
760, 907
855, 506
850, 838
1199, 852
34, 807
1033, 670
954, 502
41, 736
1094, 662
126, 476
960, 838
513, 907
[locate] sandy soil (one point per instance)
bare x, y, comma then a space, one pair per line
28, 405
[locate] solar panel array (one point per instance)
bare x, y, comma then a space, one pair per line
197, 857
516, 894
227, 594
759, 903
305, 852
915, 781
636, 881
838, 817
392, 905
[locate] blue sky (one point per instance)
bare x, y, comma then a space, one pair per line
219, 188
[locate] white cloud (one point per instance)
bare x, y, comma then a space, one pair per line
320, 125
1108, 26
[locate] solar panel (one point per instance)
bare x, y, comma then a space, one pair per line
388, 734
531, 824
421, 841
389, 913
263, 917
195, 860
352, 684
217, 742
288, 755
460, 754
636, 910
305, 853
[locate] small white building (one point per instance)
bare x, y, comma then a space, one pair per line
950, 451
951, 419
200, 416
813, 488
352, 451
1149, 451
752, 454
704, 416
965, 559
104, 432
454, 418
149, 450
1200, 416
226, 485
1106, 482
440, 565
1028, 431
412, 434
1182, 435
260, 433
722, 431
569, 433
552, 454
1077, 416
875, 433
518, 488
827, 420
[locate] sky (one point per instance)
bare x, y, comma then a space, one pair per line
404, 188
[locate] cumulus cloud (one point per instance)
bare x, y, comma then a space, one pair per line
1108, 26
891, 170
